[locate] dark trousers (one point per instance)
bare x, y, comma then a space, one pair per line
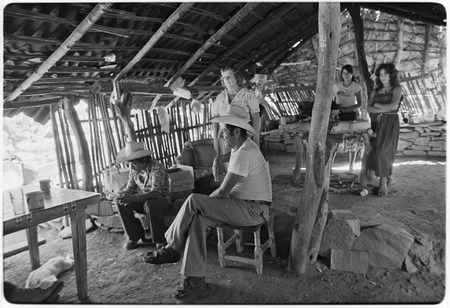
154, 209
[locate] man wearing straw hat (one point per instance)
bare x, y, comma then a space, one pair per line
242, 199
147, 192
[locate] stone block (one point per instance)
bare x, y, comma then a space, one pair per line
420, 147
411, 135
437, 143
387, 245
349, 261
403, 144
439, 127
340, 232
435, 153
404, 130
414, 153
422, 141
431, 134
409, 266
420, 129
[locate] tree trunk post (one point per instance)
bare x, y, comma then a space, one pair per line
316, 172
83, 147
354, 10
123, 109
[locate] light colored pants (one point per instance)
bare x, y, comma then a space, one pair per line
188, 230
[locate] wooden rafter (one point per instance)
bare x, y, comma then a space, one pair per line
79, 31
180, 11
214, 38
48, 18
262, 26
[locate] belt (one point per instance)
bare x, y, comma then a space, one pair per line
261, 202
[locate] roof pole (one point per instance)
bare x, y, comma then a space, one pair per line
79, 31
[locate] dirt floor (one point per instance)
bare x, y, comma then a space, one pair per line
117, 276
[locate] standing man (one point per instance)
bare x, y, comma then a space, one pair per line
147, 192
243, 199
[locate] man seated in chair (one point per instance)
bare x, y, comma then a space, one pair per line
243, 199
147, 192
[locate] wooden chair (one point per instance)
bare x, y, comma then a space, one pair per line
237, 237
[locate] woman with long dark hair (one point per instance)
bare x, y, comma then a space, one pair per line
347, 93
383, 105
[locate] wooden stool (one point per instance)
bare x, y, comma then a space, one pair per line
237, 237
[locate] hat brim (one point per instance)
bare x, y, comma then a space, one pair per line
236, 122
122, 155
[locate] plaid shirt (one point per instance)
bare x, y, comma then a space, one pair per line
153, 178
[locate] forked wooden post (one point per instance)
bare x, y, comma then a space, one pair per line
317, 175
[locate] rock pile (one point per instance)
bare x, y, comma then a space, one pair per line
351, 247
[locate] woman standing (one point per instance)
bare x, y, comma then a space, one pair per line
348, 94
383, 105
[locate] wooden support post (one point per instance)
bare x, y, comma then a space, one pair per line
358, 24
315, 192
398, 55
123, 109
82, 145
426, 49
321, 219
53, 110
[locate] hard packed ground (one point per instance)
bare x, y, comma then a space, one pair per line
117, 276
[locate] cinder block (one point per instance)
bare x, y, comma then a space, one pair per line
349, 261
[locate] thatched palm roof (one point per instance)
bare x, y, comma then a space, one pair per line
57, 49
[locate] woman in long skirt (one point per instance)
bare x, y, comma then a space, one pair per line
383, 106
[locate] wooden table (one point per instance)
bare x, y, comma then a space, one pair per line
59, 202
335, 135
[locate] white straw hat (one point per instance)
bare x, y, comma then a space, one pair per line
236, 116
132, 150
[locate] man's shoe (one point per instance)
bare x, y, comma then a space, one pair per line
190, 286
164, 255
131, 245
36, 295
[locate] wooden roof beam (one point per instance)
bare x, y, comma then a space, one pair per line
27, 14
180, 11
91, 59
33, 103
79, 31
214, 38
262, 26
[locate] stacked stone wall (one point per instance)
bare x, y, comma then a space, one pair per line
425, 139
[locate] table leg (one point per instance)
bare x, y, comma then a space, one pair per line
33, 247
364, 160
77, 221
